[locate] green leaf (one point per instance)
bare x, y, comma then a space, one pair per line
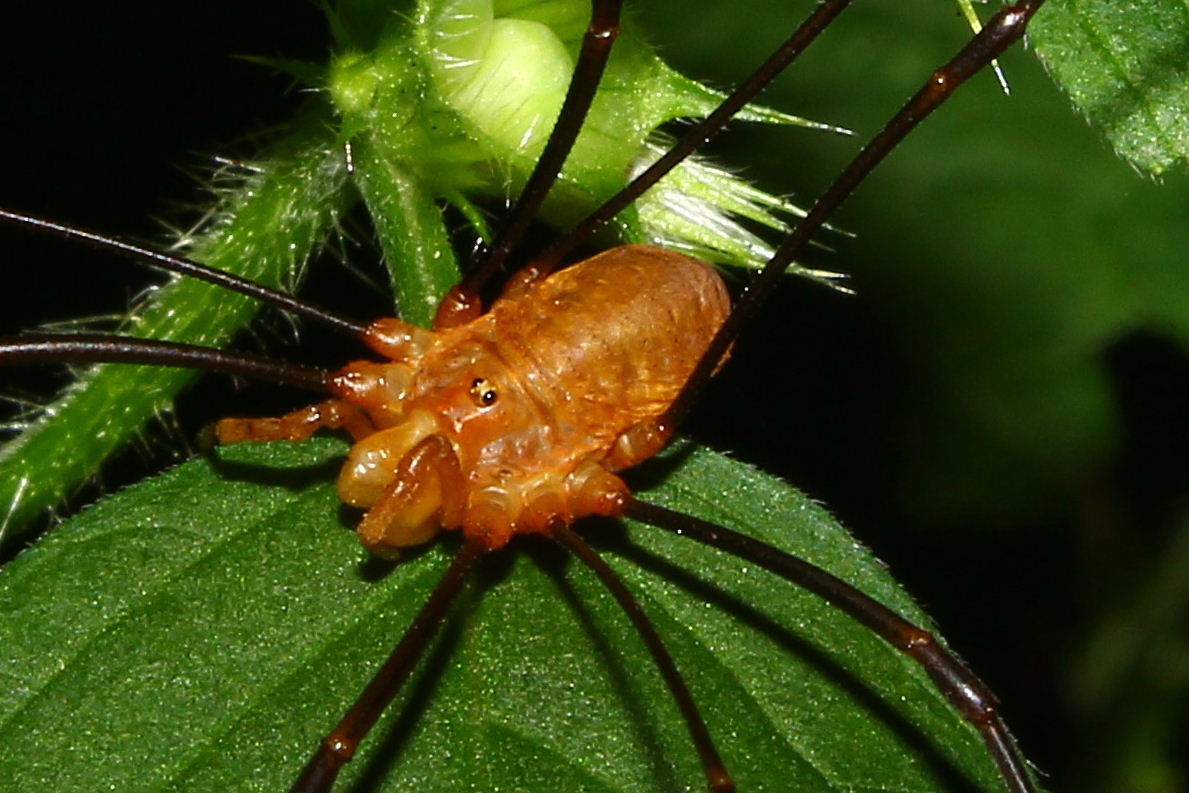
201, 631
1125, 65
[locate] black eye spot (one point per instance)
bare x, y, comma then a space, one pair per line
483, 393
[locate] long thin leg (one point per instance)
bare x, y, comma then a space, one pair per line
339, 746
699, 133
716, 773
38, 348
187, 267
969, 695
1002, 30
592, 60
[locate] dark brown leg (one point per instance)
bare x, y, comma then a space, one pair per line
43, 348
187, 267
1002, 31
716, 773
592, 59
699, 133
969, 695
339, 746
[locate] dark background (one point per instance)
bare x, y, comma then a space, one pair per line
999, 412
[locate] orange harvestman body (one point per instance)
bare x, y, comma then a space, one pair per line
515, 420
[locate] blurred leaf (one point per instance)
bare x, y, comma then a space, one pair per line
1126, 680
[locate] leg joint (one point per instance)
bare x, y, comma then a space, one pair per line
969, 695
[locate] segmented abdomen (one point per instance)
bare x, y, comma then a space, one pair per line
609, 342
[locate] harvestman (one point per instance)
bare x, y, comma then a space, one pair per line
427, 420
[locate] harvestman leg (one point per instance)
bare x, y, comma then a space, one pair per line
968, 695
698, 134
339, 746
1002, 30
41, 348
180, 265
716, 773
463, 303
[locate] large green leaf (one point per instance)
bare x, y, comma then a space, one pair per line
202, 630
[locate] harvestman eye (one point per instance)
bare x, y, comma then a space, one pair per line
483, 393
